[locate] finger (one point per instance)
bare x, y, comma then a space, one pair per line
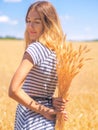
59, 107
64, 112
59, 103
60, 100
65, 117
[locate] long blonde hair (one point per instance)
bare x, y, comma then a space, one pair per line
52, 35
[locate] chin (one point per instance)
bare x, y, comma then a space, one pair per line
32, 40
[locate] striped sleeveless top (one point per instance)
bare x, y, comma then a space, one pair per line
40, 82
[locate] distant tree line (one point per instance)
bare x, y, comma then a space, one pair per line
92, 40
16, 38
10, 38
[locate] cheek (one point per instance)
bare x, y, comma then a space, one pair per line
27, 28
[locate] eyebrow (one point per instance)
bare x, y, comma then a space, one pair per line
35, 18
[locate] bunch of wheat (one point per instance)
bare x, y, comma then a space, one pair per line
70, 62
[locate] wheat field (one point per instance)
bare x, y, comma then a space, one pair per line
82, 107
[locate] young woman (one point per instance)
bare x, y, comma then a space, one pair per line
34, 82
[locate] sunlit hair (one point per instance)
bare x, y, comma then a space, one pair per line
52, 35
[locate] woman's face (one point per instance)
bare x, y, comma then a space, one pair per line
34, 25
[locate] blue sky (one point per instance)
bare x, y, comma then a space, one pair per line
79, 18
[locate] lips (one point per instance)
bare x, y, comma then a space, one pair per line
31, 32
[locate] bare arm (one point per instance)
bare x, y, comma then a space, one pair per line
20, 96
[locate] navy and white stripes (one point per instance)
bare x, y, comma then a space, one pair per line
40, 82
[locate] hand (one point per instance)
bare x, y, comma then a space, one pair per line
50, 114
64, 114
59, 103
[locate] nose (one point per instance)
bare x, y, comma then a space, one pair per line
31, 25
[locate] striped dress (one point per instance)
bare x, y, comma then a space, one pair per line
40, 82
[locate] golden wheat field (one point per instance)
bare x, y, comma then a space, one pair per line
82, 107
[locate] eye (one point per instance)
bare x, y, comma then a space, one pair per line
37, 21
28, 21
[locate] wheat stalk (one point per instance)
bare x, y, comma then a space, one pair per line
70, 62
